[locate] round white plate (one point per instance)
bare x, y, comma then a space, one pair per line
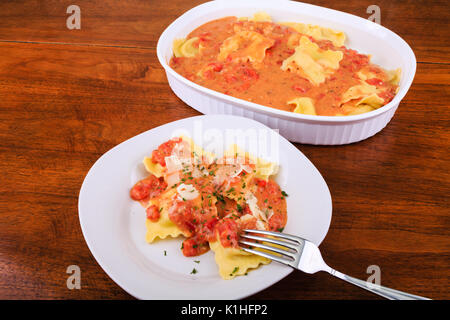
114, 225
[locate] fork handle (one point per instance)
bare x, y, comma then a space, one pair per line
385, 292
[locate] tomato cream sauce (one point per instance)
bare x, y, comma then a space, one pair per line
266, 83
225, 199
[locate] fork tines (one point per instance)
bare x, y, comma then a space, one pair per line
276, 246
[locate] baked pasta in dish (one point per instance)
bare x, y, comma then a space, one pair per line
289, 66
209, 200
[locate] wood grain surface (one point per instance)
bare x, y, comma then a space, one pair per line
68, 96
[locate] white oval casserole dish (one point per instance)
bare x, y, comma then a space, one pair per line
386, 48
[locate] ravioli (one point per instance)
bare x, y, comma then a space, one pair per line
257, 17
164, 227
312, 62
237, 183
360, 91
263, 168
153, 168
245, 46
303, 105
186, 47
266, 62
234, 262
394, 76
261, 17
318, 33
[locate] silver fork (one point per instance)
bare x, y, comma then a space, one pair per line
304, 255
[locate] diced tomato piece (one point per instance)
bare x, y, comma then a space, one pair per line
277, 221
375, 82
149, 187
299, 88
176, 60
387, 96
211, 223
208, 74
261, 183
190, 76
193, 247
164, 150
181, 213
249, 223
247, 210
244, 86
230, 78
289, 51
217, 67
153, 213
208, 229
271, 191
228, 233
270, 197
249, 74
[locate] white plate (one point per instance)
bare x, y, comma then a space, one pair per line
387, 49
114, 225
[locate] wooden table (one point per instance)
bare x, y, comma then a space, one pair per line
68, 96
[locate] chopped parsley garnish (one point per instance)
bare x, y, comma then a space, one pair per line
284, 194
194, 271
219, 197
230, 190
197, 261
280, 229
165, 252
239, 207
